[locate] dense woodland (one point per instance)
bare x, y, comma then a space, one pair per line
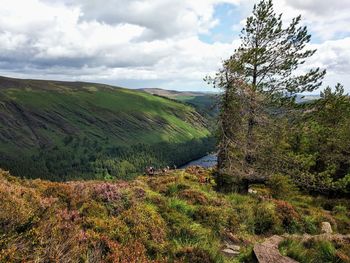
82, 159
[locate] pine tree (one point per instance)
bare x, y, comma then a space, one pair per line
260, 73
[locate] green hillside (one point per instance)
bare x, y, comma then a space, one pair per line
66, 129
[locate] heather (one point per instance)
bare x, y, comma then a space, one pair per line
173, 217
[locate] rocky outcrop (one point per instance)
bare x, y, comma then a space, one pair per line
267, 252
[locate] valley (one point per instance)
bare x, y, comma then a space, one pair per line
70, 130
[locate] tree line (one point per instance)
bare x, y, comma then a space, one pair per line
80, 158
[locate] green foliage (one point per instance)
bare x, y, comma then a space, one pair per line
327, 252
247, 255
282, 187
340, 209
320, 144
214, 217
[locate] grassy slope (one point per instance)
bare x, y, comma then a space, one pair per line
42, 114
169, 218
53, 109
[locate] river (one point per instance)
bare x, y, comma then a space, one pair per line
206, 161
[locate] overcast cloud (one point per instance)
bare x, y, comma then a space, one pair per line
151, 43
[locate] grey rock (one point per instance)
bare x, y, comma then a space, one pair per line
230, 252
326, 228
233, 247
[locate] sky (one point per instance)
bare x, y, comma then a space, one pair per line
153, 43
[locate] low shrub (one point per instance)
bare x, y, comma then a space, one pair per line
265, 219
290, 219
194, 197
282, 186
146, 225
340, 209
214, 217
132, 252
174, 188
194, 255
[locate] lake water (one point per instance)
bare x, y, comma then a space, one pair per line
206, 161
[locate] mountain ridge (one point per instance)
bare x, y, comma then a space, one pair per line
41, 118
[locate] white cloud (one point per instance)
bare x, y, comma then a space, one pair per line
326, 19
147, 42
88, 40
161, 18
334, 55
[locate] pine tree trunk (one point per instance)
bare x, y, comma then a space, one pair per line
222, 154
249, 158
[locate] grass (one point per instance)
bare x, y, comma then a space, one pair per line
315, 251
168, 218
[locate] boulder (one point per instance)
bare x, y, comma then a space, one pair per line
267, 252
230, 253
233, 247
326, 228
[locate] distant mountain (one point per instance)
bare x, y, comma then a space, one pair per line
204, 102
67, 130
306, 98
173, 93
